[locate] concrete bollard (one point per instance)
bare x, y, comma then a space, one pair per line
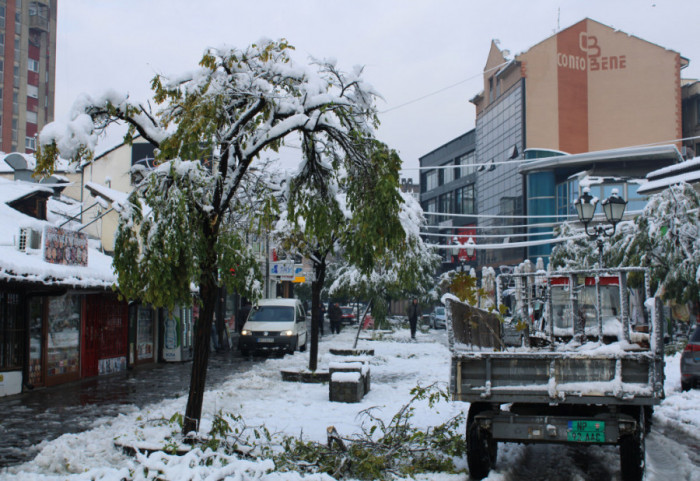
346, 387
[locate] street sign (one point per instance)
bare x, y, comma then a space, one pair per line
283, 269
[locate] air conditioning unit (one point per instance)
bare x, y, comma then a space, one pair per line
28, 239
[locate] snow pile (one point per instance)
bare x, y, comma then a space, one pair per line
259, 396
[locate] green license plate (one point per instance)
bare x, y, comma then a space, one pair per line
586, 431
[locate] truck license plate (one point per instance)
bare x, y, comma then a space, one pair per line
586, 431
265, 339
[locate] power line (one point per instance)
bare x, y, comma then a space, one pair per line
481, 74
510, 245
489, 236
598, 217
520, 161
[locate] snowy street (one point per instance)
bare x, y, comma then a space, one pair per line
261, 397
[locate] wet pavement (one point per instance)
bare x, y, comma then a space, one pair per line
45, 414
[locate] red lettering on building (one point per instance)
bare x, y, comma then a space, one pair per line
592, 60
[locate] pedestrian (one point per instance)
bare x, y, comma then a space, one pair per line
413, 315
334, 315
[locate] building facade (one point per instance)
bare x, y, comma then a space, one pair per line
448, 186
589, 88
27, 70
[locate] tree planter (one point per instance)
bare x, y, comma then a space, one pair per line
306, 376
352, 352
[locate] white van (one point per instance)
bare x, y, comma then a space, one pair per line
274, 325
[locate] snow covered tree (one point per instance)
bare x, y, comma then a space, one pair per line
581, 252
666, 239
404, 271
211, 127
353, 211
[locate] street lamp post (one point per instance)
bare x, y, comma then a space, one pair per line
613, 208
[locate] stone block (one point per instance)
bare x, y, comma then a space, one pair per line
353, 366
346, 387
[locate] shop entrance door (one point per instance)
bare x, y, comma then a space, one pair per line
91, 337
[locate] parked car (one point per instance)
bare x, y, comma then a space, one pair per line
437, 318
274, 325
690, 361
348, 316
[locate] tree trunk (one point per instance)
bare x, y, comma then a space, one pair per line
316, 316
202, 338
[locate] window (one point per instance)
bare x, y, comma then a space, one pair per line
33, 91
447, 203
634, 201
697, 111
33, 65
465, 200
431, 180
491, 89
2, 39
31, 117
30, 143
449, 173
467, 162
2, 65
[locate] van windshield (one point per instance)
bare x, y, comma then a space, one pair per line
272, 314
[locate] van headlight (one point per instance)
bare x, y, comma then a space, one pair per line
287, 333
245, 332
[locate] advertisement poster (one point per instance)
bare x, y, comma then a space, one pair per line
65, 247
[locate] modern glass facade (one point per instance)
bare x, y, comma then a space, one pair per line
499, 192
448, 196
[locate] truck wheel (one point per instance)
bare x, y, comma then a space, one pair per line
479, 452
482, 450
632, 452
303, 346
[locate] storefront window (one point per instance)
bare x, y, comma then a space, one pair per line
11, 331
63, 353
144, 336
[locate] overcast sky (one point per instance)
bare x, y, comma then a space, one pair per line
409, 48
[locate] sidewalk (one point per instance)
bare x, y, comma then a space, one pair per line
47, 413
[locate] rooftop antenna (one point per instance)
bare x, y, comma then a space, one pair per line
558, 17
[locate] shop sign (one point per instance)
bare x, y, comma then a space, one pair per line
62, 246
284, 270
591, 57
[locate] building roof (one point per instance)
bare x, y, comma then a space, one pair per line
660, 179
12, 190
667, 154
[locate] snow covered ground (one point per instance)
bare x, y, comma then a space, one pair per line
261, 397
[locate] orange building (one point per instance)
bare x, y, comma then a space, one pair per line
587, 88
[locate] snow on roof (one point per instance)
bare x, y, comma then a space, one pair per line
11, 190
20, 266
30, 266
655, 185
115, 197
693, 164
